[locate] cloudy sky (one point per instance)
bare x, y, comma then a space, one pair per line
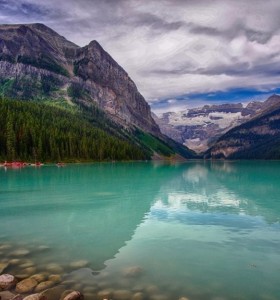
180, 53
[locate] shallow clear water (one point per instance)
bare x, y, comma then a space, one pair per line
199, 230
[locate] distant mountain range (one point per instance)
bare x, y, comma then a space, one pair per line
206, 127
258, 138
38, 64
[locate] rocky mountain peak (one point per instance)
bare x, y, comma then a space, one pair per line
94, 44
274, 99
28, 33
52, 66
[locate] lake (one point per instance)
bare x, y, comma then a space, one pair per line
199, 230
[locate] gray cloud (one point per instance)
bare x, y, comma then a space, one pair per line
195, 29
171, 47
153, 22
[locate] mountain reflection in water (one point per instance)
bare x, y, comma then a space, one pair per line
195, 229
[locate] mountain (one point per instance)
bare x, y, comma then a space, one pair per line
199, 128
168, 129
42, 63
36, 63
258, 138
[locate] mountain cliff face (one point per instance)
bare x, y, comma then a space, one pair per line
258, 138
37, 63
168, 129
200, 128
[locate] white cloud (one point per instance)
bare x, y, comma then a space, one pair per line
171, 47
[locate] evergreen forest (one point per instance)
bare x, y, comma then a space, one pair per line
33, 131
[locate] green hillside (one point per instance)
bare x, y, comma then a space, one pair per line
32, 130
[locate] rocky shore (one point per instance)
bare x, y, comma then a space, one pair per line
23, 279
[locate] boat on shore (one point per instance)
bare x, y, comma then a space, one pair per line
15, 164
37, 164
20, 164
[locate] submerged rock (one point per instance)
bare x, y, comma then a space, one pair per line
138, 296
43, 286
28, 264
138, 287
43, 248
17, 297
152, 289
7, 281
15, 261
133, 271
68, 282
22, 276
159, 297
53, 293
5, 247
26, 286
104, 284
79, 264
105, 294
90, 289
90, 296
122, 295
3, 266
55, 278
20, 252
65, 293
34, 297
39, 277
6, 295
74, 296
30, 270
54, 268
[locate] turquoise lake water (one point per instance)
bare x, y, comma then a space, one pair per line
199, 230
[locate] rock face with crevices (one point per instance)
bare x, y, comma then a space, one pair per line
36, 62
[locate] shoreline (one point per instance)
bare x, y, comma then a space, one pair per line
20, 165
22, 278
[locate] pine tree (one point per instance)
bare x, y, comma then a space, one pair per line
10, 138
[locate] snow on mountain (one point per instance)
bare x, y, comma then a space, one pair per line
199, 128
